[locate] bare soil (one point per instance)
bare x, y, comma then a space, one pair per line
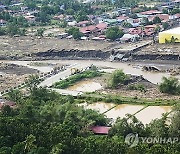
152, 91
12, 75
161, 49
16, 69
19, 46
8, 81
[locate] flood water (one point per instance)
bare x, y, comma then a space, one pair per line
101, 107
122, 110
43, 69
152, 112
86, 86
145, 116
154, 77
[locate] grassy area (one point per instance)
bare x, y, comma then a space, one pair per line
75, 78
96, 97
139, 87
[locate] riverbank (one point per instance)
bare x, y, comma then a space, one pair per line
34, 48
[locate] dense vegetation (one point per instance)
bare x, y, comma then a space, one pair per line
139, 87
170, 85
114, 33
77, 77
75, 33
117, 78
15, 25
45, 122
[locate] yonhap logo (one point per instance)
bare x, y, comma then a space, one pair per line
132, 140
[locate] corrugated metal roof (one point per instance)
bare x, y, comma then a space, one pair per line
100, 129
172, 31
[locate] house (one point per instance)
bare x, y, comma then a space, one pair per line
3, 7
122, 18
30, 18
62, 35
171, 3
88, 29
83, 23
143, 31
98, 38
4, 102
84, 38
17, 4
98, 20
24, 8
72, 23
100, 130
101, 26
35, 12
129, 37
91, 17
93, 29
110, 21
134, 22
177, 16
69, 18
2, 22
124, 10
59, 17
163, 17
151, 12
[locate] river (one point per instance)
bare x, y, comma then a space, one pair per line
135, 69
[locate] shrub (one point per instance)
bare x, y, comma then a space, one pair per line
118, 77
113, 33
139, 87
170, 85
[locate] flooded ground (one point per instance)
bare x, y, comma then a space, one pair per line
86, 86
122, 110
135, 69
101, 107
145, 115
152, 112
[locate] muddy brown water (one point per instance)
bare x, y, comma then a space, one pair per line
145, 115
154, 77
86, 86
152, 112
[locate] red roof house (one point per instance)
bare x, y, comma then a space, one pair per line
151, 12
163, 17
122, 18
100, 130
101, 26
88, 29
83, 23
4, 102
177, 15
147, 30
59, 17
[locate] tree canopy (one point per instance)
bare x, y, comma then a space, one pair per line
45, 122
113, 33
